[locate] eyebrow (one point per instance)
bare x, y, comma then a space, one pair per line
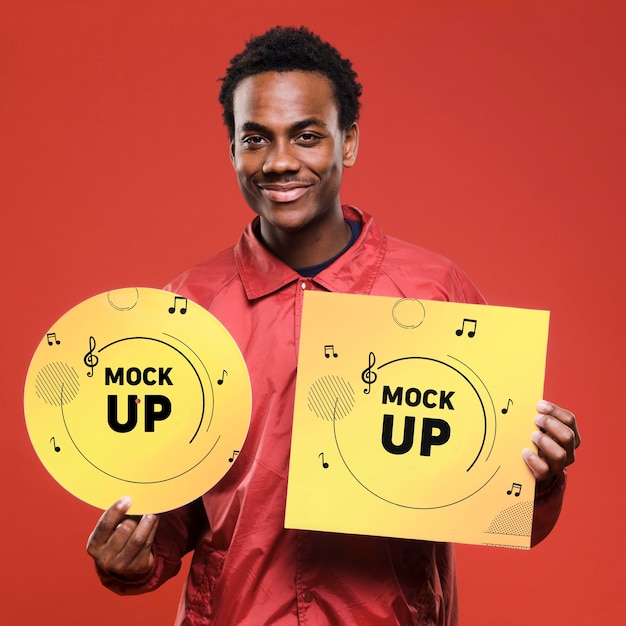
260, 128
253, 126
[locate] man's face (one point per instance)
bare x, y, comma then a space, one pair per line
288, 149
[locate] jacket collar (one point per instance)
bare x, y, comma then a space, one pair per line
263, 273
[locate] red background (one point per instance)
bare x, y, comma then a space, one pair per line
492, 132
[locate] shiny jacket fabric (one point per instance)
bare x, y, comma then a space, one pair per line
247, 570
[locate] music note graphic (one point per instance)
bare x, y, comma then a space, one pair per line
324, 463
232, 458
91, 360
54, 443
220, 381
368, 375
52, 338
183, 307
515, 487
470, 333
505, 410
328, 350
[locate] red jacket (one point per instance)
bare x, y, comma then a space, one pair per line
246, 568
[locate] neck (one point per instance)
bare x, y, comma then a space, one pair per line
308, 246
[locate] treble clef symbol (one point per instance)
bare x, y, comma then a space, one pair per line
369, 376
91, 360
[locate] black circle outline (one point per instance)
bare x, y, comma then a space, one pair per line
139, 482
467, 470
123, 308
406, 326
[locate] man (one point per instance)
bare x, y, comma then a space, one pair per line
291, 106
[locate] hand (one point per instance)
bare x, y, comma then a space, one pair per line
122, 544
556, 440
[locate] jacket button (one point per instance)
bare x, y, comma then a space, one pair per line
307, 596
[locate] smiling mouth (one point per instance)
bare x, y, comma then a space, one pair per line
285, 192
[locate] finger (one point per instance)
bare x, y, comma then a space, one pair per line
107, 524
128, 550
563, 416
551, 451
137, 537
538, 466
559, 432
143, 544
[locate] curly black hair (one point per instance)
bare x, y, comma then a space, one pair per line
285, 49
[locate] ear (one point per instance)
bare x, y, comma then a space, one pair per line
231, 148
350, 145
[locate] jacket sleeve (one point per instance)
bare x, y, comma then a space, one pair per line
548, 503
177, 534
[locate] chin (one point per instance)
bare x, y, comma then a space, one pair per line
287, 218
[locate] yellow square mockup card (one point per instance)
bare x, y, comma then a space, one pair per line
411, 416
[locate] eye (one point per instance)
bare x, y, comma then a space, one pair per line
253, 141
308, 138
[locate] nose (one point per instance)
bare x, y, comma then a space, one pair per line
281, 159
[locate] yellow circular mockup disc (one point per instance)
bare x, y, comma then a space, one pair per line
137, 392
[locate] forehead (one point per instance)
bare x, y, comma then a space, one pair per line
284, 99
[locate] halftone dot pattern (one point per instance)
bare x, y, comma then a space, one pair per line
57, 383
514, 520
331, 397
